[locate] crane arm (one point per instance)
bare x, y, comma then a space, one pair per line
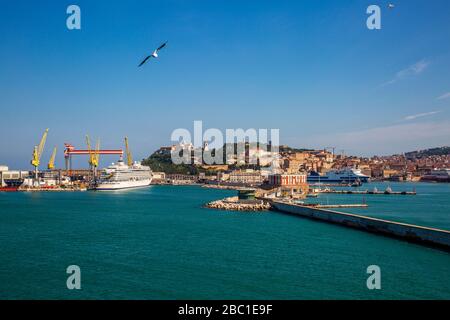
129, 157
51, 163
42, 143
96, 156
91, 155
37, 152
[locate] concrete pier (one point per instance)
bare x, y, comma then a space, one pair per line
412, 233
338, 206
403, 193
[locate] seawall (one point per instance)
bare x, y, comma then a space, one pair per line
411, 233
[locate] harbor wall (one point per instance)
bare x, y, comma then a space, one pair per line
412, 233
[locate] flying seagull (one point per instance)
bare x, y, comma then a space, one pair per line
154, 54
391, 6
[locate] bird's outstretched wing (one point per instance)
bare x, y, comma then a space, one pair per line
144, 61
161, 46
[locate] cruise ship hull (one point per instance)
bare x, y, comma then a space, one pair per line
119, 185
338, 176
435, 179
339, 180
121, 176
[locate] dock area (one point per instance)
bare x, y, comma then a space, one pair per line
412, 233
405, 193
58, 189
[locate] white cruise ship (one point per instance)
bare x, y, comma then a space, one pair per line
347, 175
121, 176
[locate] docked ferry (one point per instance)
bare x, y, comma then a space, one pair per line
121, 176
347, 175
438, 175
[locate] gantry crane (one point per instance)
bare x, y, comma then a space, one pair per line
51, 163
37, 153
129, 157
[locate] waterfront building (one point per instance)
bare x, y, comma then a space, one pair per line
289, 183
158, 176
204, 178
181, 178
223, 176
388, 173
247, 177
287, 180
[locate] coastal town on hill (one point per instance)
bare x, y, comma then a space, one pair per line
424, 165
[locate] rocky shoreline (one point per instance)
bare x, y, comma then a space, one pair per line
233, 204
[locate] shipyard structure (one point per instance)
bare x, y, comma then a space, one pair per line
120, 175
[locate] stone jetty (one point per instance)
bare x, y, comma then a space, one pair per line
234, 204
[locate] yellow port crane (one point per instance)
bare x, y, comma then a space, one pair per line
88, 143
97, 153
129, 157
94, 156
37, 153
51, 163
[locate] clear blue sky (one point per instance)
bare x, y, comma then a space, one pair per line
310, 68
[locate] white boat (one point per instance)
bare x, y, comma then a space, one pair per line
347, 175
121, 176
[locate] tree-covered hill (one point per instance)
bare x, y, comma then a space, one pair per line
163, 163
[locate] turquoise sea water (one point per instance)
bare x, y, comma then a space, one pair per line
430, 207
159, 243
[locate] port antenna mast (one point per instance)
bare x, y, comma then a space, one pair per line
37, 153
129, 157
51, 163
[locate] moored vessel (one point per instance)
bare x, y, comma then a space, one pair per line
437, 175
346, 175
119, 176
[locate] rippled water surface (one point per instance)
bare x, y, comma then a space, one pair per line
159, 243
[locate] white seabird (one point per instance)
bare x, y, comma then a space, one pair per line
154, 54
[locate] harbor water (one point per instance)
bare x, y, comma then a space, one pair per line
161, 243
429, 208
